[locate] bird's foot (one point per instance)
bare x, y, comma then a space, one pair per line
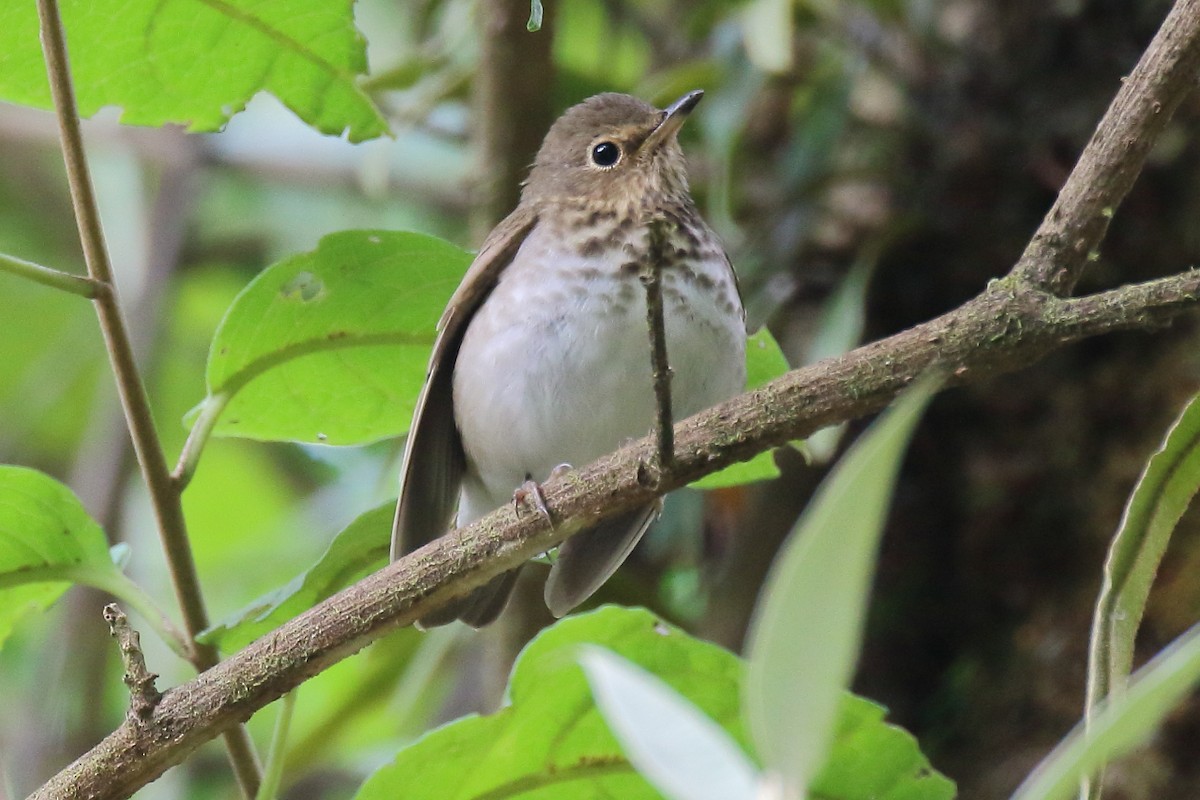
529, 493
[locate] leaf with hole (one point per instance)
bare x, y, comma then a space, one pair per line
331, 346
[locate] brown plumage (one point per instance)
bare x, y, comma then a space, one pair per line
542, 355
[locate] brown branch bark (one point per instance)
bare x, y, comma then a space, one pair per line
1014, 322
1071, 233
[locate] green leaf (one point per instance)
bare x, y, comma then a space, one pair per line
683, 753
197, 62
550, 741
47, 542
765, 362
807, 628
1119, 723
872, 760
1163, 493
331, 346
358, 550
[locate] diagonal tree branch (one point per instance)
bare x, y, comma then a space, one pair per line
1013, 323
1070, 234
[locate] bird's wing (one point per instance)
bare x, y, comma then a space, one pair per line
432, 469
589, 558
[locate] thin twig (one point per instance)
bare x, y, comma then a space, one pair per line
651, 278
165, 498
75, 284
143, 694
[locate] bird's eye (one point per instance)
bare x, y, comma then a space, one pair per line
605, 154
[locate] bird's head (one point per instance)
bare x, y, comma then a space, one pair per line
613, 147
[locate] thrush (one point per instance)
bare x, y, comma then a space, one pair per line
543, 355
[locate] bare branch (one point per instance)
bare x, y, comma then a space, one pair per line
143, 695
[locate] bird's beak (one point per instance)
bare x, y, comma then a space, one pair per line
672, 120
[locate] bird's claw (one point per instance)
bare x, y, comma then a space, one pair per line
530, 493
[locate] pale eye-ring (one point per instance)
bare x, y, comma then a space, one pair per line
605, 154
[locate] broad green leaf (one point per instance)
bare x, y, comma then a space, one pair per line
1119, 723
871, 760
358, 550
683, 753
764, 363
331, 346
47, 542
197, 62
807, 628
1163, 493
550, 741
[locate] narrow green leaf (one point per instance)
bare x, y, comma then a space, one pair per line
198, 63
331, 346
273, 770
358, 550
47, 542
1163, 493
1119, 723
807, 629
765, 362
683, 753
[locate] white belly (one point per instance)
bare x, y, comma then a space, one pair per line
550, 372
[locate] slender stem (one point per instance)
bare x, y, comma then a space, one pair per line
275, 756
651, 277
198, 436
164, 494
57, 279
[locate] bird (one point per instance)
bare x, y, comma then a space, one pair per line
542, 356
